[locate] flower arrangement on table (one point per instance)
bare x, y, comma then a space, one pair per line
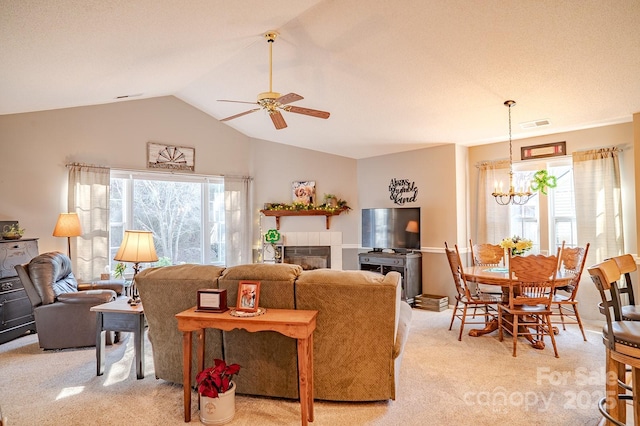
516, 245
217, 379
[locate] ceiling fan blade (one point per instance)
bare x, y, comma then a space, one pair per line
288, 98
308, 111
278, 120
241, 114
238, 102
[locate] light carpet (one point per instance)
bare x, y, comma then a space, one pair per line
442, 381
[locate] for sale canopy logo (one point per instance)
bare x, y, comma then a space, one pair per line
403, 191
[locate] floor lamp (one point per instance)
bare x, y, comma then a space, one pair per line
68, 225
136, 247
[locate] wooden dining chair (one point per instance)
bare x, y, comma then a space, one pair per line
565, 307
531, 283
487, 254
465, 298
621, 339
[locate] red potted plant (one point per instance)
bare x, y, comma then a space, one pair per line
217, 392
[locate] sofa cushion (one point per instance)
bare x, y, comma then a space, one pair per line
51, 276
268, 359
166, 291
282, 272
356, 334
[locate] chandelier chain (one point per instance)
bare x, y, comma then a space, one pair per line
510, 146
519, 194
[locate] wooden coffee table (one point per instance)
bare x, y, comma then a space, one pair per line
297, 324
120, 316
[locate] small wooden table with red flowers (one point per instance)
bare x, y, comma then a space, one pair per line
297, 324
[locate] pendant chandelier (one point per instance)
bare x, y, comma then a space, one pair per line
515, 196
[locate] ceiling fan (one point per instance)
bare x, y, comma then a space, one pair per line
272, 102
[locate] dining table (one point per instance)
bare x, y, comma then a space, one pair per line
499, 276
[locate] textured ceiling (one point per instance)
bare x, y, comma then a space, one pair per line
395, 75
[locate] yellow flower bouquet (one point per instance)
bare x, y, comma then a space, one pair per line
516, 245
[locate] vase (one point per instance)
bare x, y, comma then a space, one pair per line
220, 410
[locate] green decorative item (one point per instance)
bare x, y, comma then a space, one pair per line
272, 236
542, 181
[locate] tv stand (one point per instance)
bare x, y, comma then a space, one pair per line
408, 264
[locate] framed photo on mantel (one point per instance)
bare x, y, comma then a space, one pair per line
304, 192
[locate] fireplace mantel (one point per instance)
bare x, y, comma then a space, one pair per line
320, 212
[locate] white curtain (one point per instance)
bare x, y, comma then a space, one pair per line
596, 175
492, 219
238, 232
89, 188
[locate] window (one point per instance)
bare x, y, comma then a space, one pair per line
562, 206
547, 231
185, 213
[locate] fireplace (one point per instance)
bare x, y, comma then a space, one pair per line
311, 249
309, 257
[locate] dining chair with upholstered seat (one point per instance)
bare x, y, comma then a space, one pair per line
531, 283
621, 339
572, 260
466, 298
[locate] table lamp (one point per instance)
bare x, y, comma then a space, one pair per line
68, 225
136, 247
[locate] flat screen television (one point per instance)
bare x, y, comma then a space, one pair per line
391, 228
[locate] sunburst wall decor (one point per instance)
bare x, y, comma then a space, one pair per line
161, 156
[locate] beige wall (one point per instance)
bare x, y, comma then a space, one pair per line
620, 135
275, 166
447, 178
37, 146
434, 170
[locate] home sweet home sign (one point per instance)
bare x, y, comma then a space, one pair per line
402, 191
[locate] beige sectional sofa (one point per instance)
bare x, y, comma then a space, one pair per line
362, 327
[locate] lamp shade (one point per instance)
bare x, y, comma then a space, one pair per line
412, 227
68, 225
137, 246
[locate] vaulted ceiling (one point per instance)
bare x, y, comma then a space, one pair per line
395, 75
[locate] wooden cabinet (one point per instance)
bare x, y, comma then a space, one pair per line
409, 265
16, 313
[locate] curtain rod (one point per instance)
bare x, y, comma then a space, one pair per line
169, 172
154, 171
68, 166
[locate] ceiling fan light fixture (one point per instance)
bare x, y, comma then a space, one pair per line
272, 102
268, 95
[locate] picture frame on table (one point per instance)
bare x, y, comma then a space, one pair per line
248, 296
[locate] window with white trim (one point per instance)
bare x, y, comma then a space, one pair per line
184, 212
559, 221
